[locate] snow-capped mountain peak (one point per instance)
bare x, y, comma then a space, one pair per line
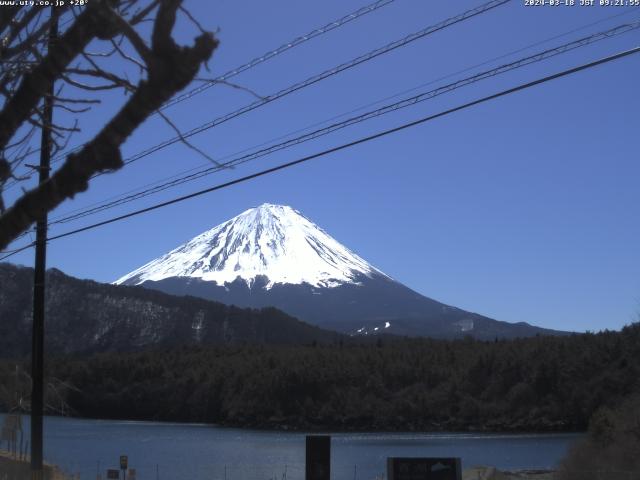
274, 241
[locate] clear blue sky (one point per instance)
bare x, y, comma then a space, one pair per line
522, 209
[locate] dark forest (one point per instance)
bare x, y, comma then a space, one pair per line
535, 384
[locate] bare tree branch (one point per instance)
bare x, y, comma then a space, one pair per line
7, 15
29, 41
141, 66
72, 110
20, 105
142, 14
192, 19
16, 28
170, 68
186, 142
235, 86
115, 80
135, 39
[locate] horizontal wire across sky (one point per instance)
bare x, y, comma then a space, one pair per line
341, 147
517, 210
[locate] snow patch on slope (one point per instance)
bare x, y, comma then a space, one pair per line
275, 241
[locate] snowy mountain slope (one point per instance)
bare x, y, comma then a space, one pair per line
273, 241
272, 255
374, 305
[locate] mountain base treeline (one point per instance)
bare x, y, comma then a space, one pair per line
535, 384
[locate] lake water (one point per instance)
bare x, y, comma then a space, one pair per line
202, 452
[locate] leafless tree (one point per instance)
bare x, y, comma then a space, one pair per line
103, 45
15, 391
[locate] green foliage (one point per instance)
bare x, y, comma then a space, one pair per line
541, 383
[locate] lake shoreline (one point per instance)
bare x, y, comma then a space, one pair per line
204, 451
276, 427
9, 464
492, 473
385, 427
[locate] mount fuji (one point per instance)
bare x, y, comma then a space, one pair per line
272, 255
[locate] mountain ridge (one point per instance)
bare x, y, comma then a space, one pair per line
84, 317
369, 308
272, 255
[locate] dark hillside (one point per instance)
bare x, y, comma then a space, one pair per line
86, 317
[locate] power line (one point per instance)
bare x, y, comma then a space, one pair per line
342, 147
355, 142
277, 51
513, 52
537, 57
11, 253
431, 82
372, 7
17, 250
321, 76
327, 73
310, 81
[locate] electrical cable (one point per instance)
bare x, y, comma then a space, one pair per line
549, 53
258, 60
485, 7
318, 77
353, 143
283, 48
335, 117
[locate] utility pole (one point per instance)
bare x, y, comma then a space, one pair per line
37, 345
